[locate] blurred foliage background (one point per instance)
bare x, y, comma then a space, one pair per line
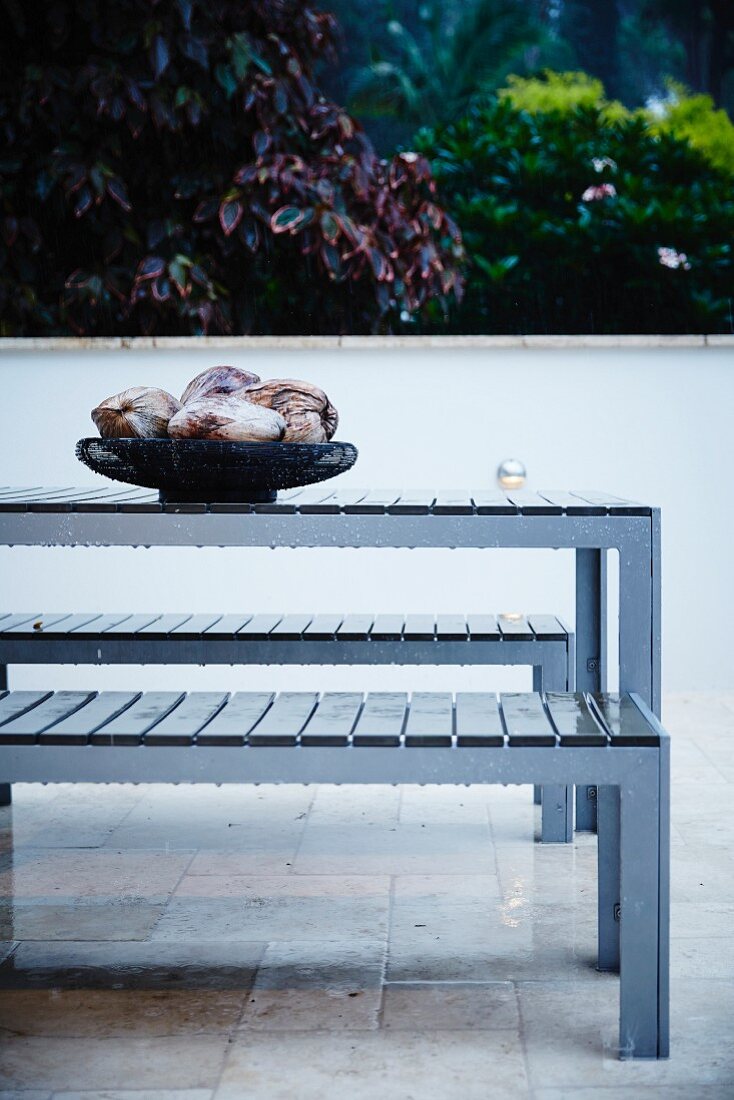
538, 166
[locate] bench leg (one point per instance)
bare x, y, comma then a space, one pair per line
6, 794
557, 814
643, 1018
591, 646
608, 878
556, 802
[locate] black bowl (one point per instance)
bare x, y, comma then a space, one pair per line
213, 470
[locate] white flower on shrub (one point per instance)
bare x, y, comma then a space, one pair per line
600, 191
668, 257
600, 163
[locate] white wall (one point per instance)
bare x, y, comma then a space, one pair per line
651, 423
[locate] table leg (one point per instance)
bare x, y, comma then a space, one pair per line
591, 652
5, 788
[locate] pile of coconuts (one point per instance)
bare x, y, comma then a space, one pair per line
224, 403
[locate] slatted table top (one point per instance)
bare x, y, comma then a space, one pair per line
302, 719
322, 500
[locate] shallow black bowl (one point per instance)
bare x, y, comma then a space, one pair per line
212, 470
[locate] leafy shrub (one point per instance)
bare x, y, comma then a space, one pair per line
173, 168
562, 92
694, 118
574, 222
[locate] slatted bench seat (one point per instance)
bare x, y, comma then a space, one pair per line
551, 738
541, 641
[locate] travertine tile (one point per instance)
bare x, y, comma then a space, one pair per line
81, 919
418, 1006
395, 850
391, 1065
110, 1013
258, 889
227, 918
68, 873
136, 1094
309, 985
104, 965
194, 1061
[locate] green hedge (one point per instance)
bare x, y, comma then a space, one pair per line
582, 219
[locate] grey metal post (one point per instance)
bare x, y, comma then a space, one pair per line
591, 652
6, 791
608, 878
556, 801
643, 923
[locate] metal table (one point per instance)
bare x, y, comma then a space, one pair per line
589, 523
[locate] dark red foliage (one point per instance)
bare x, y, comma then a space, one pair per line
169, 166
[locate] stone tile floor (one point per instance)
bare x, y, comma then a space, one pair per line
297, 943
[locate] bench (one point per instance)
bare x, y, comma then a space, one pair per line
541, 641
552, 738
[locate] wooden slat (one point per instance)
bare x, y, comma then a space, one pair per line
571, 505
164, 626
69, 623
531, 503
235, 720
547, 628
195, 626
381, 720
526, 720
616, 506
129, 727
489, 502
26, 727
113, 502
140, 506
375, 502
225, 626
286, 503
37, 625
451, 628
290, 628
419, 628
335, 503
478, 720
184, 722
101, 624
314, 496
387, 628
483, 628
285, 719
11, 621
16, 703
323, 627
625, 723
453, 502
129, 627
355, 628
64, 502
430, 719
230, 507
333, 720
415, 503
259, 627
76, 728
10, 491
514, 626
573, 720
